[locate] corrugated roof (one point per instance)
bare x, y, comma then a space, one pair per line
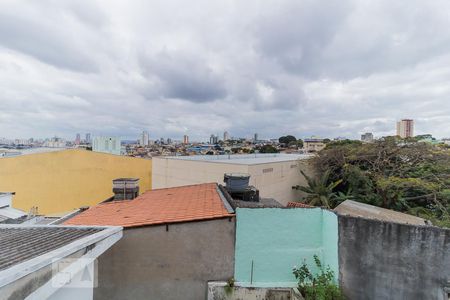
358, 209
21, 244
160, 206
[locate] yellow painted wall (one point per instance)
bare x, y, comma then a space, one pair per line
57, 182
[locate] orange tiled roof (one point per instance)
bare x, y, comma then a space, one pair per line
299, 204
160, 206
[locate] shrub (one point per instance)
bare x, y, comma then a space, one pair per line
320, 286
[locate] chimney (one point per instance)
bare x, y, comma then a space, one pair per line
237, 185
125, 188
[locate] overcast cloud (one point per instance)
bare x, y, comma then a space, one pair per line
328, 68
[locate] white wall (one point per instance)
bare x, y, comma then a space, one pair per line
274, 180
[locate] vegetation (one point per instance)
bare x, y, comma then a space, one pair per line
320, 286
268, 149
287, 139
291, 141
319, 190
404, 175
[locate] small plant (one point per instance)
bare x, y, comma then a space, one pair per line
230, 285
321, 286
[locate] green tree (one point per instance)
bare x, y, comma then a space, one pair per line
268, 149
320, 192
287, 139
406, 176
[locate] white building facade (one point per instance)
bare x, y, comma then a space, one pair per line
272, 174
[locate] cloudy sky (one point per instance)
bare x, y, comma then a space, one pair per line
303, 67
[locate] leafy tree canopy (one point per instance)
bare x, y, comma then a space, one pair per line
410, 176
287, 139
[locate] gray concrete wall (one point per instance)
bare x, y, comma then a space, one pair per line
221, 291
152, 263
379, 260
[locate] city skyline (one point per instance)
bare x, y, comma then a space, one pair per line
273, 69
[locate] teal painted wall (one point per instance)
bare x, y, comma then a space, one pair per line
277, 239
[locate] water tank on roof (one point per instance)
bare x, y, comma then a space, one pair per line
236, 182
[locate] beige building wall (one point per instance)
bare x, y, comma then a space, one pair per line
274, 180
177, 172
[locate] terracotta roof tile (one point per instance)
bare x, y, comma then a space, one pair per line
160, 206
299, 204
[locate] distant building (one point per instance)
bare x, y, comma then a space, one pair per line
78, 139
107, 144
313, 145
255, 137
185, 139
55, 142
88, 138
213, 139
367, 137
405, 128
226, 136
143, 140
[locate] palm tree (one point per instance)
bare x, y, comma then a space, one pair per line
320, 193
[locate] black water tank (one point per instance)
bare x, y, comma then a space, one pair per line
236, 182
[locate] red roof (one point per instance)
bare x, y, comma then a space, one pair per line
160, 206
299, 204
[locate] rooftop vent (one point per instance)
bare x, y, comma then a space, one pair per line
125, 188
237, 185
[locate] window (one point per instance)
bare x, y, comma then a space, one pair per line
268, 170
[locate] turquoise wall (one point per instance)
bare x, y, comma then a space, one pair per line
277, 239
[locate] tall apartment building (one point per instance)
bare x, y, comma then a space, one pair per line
213, 139
185, 139
143, 140
78, 139
226, 136
405, 128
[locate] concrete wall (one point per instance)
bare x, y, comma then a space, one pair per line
278, 183
221, 291
57, 182
277, 239
274, 180
177, 172
152, 263
381, 260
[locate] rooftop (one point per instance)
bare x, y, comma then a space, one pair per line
160, 206
22, 243
243, 159
358, 209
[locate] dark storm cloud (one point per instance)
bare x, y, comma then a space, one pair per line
50, 41
184, 76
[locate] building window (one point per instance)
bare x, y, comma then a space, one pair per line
268, 170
